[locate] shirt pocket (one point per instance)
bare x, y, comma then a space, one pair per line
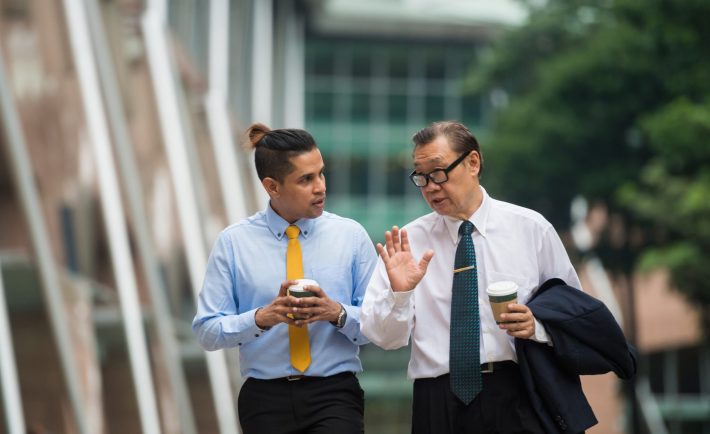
526, 286
335, 281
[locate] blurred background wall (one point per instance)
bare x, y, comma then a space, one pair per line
121, 160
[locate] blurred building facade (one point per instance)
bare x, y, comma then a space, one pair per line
121, 161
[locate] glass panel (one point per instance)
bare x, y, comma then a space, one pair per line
359, 171
396, 178
436, 64
655, 371
319, 59
360, 107
689, 371
319, 105
322, 132
362, 62
434, 108
693, 427
397, 108
335, 173
471, 110
399, 62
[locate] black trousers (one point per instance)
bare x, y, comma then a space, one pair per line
311, 405
502, 407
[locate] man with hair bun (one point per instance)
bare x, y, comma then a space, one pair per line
299, 355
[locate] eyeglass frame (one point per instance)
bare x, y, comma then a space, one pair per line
449, 168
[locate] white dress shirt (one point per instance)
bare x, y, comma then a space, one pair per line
511, 242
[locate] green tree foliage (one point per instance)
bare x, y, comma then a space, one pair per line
610, 100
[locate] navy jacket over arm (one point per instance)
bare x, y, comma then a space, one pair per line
586, 340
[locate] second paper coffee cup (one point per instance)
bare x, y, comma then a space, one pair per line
500, 294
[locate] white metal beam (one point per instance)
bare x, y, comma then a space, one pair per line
113, 213
165, 86
226, 156
291, 53
262, 75
19, 161
183, 421
8, 370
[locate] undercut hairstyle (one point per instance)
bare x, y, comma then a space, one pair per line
460, 138
273, 149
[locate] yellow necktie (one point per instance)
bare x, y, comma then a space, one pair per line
297, 336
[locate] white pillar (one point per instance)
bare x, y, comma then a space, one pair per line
226, 155
113, 213
165, 86
8, 371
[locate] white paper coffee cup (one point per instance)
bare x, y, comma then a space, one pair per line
298, 289
500, 294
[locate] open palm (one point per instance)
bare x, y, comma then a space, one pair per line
403, 270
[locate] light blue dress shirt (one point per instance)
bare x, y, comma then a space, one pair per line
244, 272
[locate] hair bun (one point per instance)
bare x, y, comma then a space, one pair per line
256, 132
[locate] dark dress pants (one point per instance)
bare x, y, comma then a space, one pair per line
310, 405
502, 407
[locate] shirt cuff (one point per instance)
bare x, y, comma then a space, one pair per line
401, 298
256, 326
541, 335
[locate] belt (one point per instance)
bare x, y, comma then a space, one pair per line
308, 377
491, 367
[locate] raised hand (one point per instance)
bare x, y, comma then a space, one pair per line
403, 270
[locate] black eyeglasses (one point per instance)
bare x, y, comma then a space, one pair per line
437, 176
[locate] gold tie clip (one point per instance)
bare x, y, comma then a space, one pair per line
458, 270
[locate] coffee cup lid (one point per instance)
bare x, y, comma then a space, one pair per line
300, 283
504, 287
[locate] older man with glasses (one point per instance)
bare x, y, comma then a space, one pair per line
464, 365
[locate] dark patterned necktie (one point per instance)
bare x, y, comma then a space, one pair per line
464, 358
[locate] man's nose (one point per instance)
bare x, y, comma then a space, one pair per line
319, 185
430, 186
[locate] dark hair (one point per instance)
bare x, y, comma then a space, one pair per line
273, 149
460, 138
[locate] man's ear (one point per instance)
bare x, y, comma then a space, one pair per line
272, 186
474, 160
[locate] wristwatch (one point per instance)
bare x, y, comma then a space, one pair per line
342, 317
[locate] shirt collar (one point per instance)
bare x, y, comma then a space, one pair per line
479, 219
277, 225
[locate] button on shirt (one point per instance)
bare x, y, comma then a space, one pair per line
511, 242
244, 272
